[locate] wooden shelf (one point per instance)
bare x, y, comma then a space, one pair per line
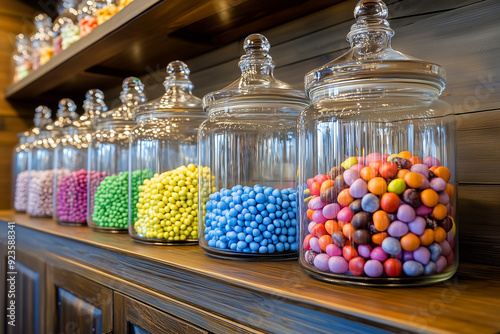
145, 36
268, 296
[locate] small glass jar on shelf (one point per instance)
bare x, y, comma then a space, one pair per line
108, 186
105, 10
20, 160
164, 208
248, 150
41, 40
123, 3
22, 58
66, 30
87, 17
71, 155
377, 164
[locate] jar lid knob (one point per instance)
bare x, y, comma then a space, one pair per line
370, 9
94, 102
66, 108
177, 67
256, 43
132, 83
371, 19
42, 116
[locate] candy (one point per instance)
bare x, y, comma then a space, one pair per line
397, 186
350, 176
270, 223
417, 226
378, 254
349, 162
397, 229
41, 190
422, 255
363, 250
393, 267
374, 268
361, 237
21, 191
321, 261
391, 246
406, 213
413, 268
331, 211
358, 188
333, 250
412, 197
389, 202
370, 203
356, 266
338, 265
430, 268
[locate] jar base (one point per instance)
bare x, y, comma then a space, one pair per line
382, 281
64, 223
108, 230
157, 242
249, 257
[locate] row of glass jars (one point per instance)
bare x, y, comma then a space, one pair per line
374, 160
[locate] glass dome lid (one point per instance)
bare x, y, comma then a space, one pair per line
257, 82
132, 94
371, 56
66, 113
178, 97
93, 105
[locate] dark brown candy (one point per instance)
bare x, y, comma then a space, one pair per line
361, 237
372, 229
392, 216
431, 174
446, 224
339, 239
329, 195
335, 171
355, 206
412, 197
401, 162
340, 183
309, 256
431, 222
360, 220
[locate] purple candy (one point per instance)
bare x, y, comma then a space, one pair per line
418, 225
378, 254
445, 248
421, 169
314, 244
425, 184
350, 176
422, 255
423, 211
358, 188
441, 264
72, 198
310, 226
338, 265
443, 197
364, 250
406, 213
374, 268
321, 262
345, 215
397, 229
318, 217
407, 256
391, 246
450, 237
430, 268
431, 161
333, 250
331, 211
437, 184
316, 204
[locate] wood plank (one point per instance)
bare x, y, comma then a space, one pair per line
260, 293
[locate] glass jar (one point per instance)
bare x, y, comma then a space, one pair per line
87, 20
123, 3
377, 164
70, 195
21, 59
41, 162
21, 161
41, 40
164, 208
105, 10
247, 149
65, 29
109, 162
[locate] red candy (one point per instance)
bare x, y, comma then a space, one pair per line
393, 267
388, 170
357, 265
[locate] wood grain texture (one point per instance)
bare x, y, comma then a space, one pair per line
76, 303
256, 294
131, 314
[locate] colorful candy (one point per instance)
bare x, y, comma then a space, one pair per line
41, 190
21, 191
381, 216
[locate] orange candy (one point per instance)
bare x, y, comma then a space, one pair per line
324, 241
341, 224
413, 180
415, 160
433, 168
348, 231
405, 155
443, 173
439, 212
344, 198
326, 184
439, 234
331, 226
379, 237
310, 214
427, 237
410, 242
349, 252
402, 173
449, 190
377, 186
429, 198
381, 220
368, 173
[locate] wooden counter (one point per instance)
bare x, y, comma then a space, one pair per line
278, 297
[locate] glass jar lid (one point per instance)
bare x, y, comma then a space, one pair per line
66, 113
93, 105
178, 98
257, 82
371, 57
132, 94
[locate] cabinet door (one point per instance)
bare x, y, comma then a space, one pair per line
133, 317
76, 304
23, 293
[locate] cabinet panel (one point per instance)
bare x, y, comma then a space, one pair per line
133, 317
76, 304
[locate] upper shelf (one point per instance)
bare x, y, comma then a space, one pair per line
145, 36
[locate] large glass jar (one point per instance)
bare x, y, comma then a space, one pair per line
377, 164
22, 58
20, 160
70, 195
164, 208
109, 162
248, 149
41, 40
66, 30
42, 151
